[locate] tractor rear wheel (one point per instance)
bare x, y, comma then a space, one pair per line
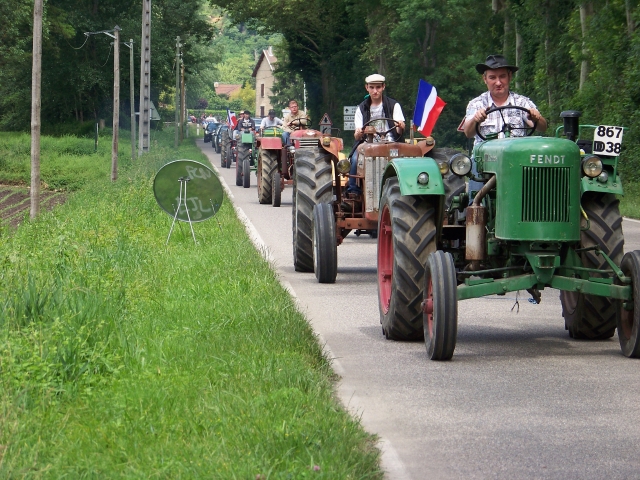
325, 245
440, 306
628, 321
224, 142
406, 237
267, 164
593, 317
313, 184
276, 193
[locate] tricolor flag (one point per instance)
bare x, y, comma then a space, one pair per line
428, 108
231, 119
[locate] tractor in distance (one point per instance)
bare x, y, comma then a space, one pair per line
324, 213
244, 154
546, 216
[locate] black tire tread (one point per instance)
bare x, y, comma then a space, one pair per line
414, 238
268, 164
313, 184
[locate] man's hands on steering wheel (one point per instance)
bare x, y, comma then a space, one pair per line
481, 116
396, 124
299, 124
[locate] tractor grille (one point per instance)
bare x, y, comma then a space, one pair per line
308, 142
545, 194
373, 170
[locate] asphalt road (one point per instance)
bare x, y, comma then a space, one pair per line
520, 399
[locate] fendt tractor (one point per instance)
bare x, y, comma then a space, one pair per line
547, 216
324, 213
276, 162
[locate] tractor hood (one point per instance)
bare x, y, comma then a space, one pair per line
537, 187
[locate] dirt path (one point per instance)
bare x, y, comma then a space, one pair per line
15, 203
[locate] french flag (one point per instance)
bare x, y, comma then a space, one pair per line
428, 108
231, 119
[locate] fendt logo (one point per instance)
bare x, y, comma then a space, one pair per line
547, 159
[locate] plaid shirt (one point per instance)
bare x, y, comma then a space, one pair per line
494, 122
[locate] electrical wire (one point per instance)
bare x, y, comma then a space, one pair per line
109, 56
78, 48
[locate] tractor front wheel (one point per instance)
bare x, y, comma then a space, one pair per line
592, 317
224, 143
267, 164
312, 184
440, 306
325, 245
246, 173
628, 317
276, 192
406, 237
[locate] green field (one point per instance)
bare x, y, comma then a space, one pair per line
123, 357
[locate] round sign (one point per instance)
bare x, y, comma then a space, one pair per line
203, 191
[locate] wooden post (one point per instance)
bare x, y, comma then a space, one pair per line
116, 103
132, 101
177, 114
36, 83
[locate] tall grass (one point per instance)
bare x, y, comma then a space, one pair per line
123, 357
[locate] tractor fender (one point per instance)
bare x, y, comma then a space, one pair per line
592, 185
333, 147
407, 171
270, 143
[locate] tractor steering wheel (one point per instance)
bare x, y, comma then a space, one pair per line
395, 124
507, 127
299, 126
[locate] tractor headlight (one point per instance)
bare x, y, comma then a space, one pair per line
326, 141
443, 166
592, 166
423, 178
343, 166
460, 164
292, 149
603, 177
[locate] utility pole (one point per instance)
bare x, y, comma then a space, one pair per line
116, 103
145, 79
36, 83
182, 102
177, 115
132, 100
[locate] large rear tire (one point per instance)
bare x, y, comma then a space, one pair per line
224, 142
325, 244
440, 318
313, 184
628, 321
276, 194
238, 172
593, 317
406, 237
267, 164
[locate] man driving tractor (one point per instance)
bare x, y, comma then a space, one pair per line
293, 121
245, 123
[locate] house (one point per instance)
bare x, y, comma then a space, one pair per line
226, 89
263, 73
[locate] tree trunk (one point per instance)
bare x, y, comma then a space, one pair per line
586, 11
518, 53
508, 31
631, 24
36, 84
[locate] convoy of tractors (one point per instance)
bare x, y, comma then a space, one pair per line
544, 215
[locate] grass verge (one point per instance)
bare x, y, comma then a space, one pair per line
123, 357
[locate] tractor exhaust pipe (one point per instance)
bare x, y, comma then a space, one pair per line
476, 244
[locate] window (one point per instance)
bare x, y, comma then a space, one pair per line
262, 90
262, 111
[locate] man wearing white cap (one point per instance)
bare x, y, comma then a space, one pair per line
376, 105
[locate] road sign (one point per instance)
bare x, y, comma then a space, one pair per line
349, 110
325, 120
349, 118
349, 126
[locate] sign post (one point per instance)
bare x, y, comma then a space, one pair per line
349, 115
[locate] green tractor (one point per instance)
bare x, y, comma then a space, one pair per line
546, 216
245, 153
